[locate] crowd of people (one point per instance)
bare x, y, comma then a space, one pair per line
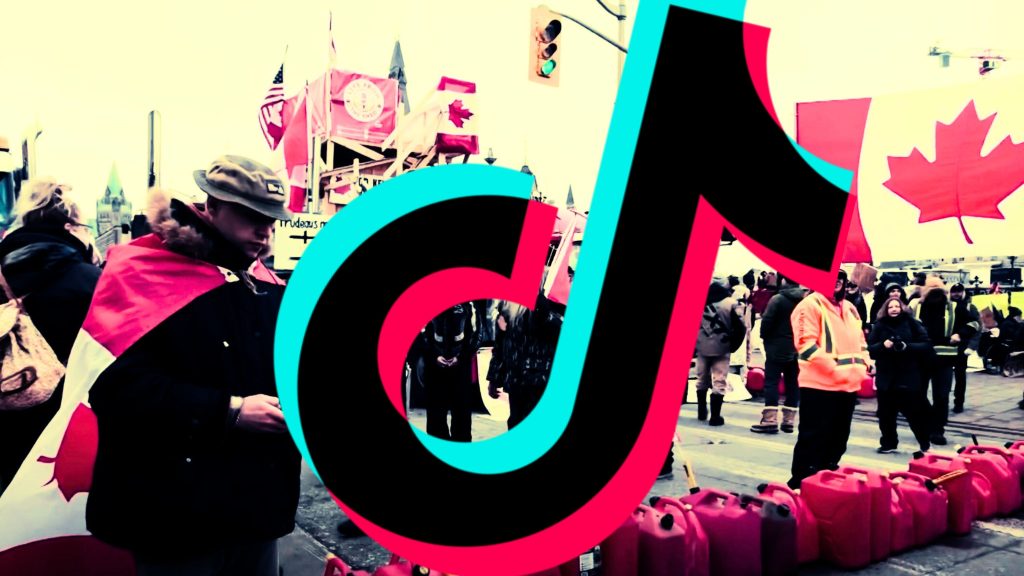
911, 345
208, 434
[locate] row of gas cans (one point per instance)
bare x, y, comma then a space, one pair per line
849, 517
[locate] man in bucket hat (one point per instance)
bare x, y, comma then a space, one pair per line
195, 472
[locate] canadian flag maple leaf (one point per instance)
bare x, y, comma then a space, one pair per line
457, 114
960, 182
73, 463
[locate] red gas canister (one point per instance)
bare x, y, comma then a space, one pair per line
620, 550
1016, 450
902, 536
664, 542
842, 505
986, 501
962, 498
778, 535
734, 532
929, 503
998, 465
755, 380
867, 388
697, 546
881, 508
806, 523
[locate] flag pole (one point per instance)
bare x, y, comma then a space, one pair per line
328, 94
310, 141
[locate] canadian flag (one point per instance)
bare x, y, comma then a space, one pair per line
460, 123
42, 512
449, 119
937, 172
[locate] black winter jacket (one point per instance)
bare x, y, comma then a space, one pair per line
899, 367
776, 329
53, 272
173, 477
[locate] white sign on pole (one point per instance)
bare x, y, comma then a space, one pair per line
292, 236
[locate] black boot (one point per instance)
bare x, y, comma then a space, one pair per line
716, 410
702, 405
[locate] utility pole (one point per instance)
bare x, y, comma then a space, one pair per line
622, 35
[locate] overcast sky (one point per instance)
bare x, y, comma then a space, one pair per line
90, 72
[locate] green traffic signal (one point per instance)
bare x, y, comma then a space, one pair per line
546, 27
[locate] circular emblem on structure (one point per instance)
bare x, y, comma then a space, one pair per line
363, 100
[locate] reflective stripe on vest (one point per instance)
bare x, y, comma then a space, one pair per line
825, 338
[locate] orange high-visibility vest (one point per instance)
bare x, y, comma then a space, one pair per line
830, 345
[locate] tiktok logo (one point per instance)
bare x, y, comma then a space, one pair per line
680, 164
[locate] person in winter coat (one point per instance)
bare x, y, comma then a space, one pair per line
966, 323
780, 359
882, 294
49, 261
195, 472
719, 325
524, 352
853, 296
899, 345
832, 355
938, 314
449, 344
1011, 330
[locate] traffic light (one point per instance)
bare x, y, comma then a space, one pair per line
545, 46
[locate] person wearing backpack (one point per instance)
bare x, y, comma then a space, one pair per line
721, 333
49, 261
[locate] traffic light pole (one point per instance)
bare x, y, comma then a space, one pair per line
596, 33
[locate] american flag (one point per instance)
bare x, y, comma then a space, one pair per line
271, 121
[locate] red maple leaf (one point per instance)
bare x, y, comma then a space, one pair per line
73, 463
960, 182
457, 114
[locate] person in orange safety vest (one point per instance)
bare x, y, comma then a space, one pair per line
832, 355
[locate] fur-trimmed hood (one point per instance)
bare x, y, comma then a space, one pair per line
164, 215
185, 229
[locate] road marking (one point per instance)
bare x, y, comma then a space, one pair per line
1009, 526
745, 440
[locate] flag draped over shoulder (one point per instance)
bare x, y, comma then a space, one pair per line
43, 528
